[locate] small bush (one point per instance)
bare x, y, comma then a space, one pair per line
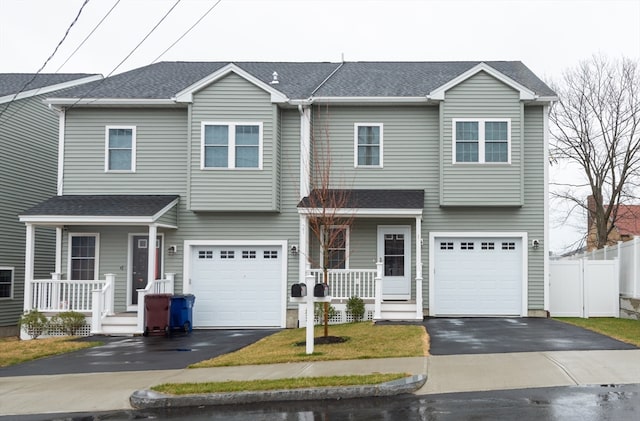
34, 323
319, 312
70, 322
355, 306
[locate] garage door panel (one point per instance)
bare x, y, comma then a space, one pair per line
237, 286
478, 276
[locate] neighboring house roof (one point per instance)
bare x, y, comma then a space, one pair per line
365, 199
13, 83
628, 220
102, 205
162, 81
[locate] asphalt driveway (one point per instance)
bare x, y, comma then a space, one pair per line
452, 336
141, 353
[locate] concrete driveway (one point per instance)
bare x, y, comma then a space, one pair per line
142, 353
453, 336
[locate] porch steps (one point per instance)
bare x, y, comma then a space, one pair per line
404, 311
121, 324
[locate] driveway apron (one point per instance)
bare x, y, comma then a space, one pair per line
453, 336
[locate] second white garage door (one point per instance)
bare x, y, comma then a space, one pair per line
477, 276
237, 286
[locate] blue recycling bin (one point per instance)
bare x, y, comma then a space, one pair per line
182, 312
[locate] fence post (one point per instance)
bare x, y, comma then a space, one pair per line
604, 252
583, 286
635, 266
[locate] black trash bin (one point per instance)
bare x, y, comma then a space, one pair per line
156, 312
182, 312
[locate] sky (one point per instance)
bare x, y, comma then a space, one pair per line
548, 36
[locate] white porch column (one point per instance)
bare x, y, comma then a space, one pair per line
29, 257
377, 309
59, 232
151, 250
303, 249
419, 314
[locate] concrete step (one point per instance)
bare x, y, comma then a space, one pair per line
120, 320
398, 306
119, 330
399, 311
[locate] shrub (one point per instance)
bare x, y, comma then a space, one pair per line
355, 306
319, 312
34, 323
70, 322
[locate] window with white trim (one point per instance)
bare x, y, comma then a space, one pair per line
368, 145
6, 282
483, 141
231, 145
338, 242
83, 252
120, 149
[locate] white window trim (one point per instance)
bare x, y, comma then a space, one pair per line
346, 245
231, 158
481, 141
13, 281
133, 149
96, 272
355, 144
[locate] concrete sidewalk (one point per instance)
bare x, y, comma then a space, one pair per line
445, 374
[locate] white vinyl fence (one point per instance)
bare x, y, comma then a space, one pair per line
584, 288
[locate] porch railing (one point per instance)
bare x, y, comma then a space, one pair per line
102, 304
56, 295
346, 283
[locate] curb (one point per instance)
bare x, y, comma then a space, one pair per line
147, 399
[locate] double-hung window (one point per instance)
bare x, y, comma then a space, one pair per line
482, 141
368, 145
83, 254
6, 282
231, 145
120, 149
336, 238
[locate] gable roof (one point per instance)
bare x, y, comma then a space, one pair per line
28, 84
303, 80
367, 199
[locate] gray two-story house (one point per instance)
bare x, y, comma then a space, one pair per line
29, 143
205, 178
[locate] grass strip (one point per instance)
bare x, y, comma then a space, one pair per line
625, 330
365, 340
14, 351
277, 384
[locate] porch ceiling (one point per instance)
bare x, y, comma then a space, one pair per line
104, 210
364, 202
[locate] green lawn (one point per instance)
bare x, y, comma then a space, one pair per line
14, 351
625, 330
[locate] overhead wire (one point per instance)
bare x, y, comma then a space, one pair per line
35, 75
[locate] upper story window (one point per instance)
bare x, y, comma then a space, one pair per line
231, 145
120, 148
6, 282
482, 141
368, 145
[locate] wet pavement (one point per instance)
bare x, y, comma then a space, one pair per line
455, 336
142, 353
584, 403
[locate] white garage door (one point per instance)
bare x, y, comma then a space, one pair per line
477, 276
237, 286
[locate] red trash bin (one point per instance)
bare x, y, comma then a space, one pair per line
157, 310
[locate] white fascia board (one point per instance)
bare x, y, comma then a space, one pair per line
369, 99
186, 95
525, 93
362, 212
86, 220
50, 88
61, 102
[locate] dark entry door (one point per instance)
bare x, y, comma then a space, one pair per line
141, 263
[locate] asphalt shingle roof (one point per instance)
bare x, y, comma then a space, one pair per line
366, 199
102, 205
12, 83
299, 80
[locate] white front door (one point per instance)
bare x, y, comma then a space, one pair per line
394, 248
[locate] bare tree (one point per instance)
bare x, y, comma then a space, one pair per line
595, 125
329, 220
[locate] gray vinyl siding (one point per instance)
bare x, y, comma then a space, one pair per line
161, 155
29, 139
170, 218
233, 99
474, 184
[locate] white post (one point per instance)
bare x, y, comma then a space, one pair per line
377, 310
55, 293
96, 311
419, 314
140, 322
151, 251
305, 151
303, 247
310, 281
585, 292
28, 266
635, 267
59, 233
171, 277
110, 287
604, 252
